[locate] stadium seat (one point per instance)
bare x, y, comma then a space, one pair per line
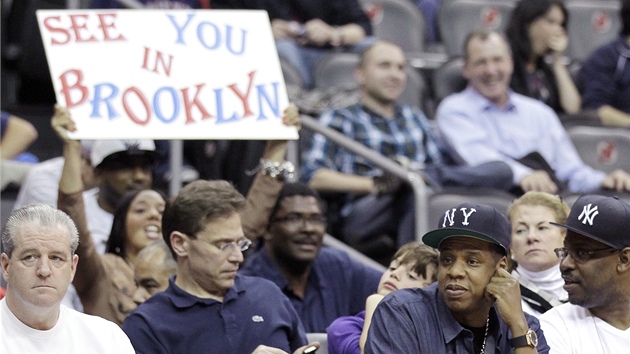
336, 70
602, 148
457, 18
292, 79
591, 25
397, 21
291, 74
448, 79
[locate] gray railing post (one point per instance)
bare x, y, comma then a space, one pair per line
176, 151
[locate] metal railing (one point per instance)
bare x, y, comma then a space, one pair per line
330, 241
414, 178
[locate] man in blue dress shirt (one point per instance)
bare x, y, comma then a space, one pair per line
475, 305
489, 122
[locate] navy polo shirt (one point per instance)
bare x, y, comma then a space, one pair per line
253, 312
418, 321
337, 286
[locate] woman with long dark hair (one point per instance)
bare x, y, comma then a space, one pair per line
130, 233
538, 39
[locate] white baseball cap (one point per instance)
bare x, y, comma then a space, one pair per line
102, 149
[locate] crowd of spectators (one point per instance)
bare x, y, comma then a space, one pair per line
215, 269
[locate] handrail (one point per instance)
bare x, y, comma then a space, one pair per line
414, 178
330, 241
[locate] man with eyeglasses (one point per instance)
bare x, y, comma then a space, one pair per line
321, 283
595, 266
207, 307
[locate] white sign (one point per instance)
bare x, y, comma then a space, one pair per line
167, 74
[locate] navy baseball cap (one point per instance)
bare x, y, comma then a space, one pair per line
480, 221
604, 219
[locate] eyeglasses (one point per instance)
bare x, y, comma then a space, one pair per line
299, 219
581, 256
224, 246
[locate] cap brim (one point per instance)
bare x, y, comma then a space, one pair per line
581, 232
436, 237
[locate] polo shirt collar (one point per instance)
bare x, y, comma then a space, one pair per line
485, 104
182, 299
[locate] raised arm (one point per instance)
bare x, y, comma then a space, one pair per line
264, 191
90, 272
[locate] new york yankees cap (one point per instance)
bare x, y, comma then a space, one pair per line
479, 221
604, 219
105, 149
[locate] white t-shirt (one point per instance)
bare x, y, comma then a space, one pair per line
572, 329
75, 332
99, 221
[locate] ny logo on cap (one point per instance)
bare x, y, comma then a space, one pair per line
449, 216
132, 144
588, 214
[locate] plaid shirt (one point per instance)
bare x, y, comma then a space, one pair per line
408, 134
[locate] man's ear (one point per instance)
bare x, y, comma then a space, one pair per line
623, 264
5, 266
180, 243
73, 266
503, 263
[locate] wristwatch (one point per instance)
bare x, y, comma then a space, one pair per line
530, 339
